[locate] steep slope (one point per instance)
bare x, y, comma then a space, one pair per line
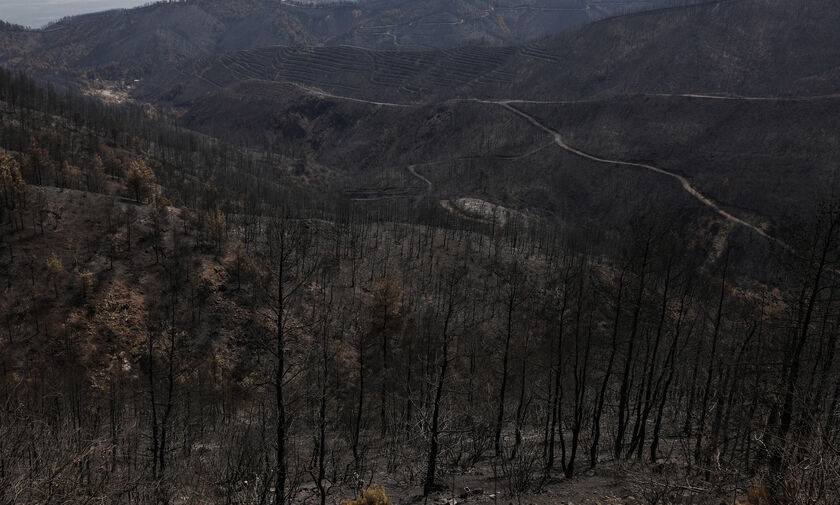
407, 24
732, 47
358, 73
760, 48
126, 44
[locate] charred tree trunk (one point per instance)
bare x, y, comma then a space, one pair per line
701, 423
602, 394
431, 466
624, 393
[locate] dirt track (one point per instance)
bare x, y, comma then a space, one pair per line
686, 185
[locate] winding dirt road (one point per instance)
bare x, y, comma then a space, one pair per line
558, 140
749, 98
686, 185
413, 170
499, 101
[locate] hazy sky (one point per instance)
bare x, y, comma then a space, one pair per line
37, 13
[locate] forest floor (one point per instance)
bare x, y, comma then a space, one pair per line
608, 484
601, 487
626, 482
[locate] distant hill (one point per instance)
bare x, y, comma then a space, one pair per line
127, 44
760, 48
733, 47
405, 77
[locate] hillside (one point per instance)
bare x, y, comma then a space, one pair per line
156, 332
127, 44
377, 76
729, 47
335, 114
780, 50
365, 116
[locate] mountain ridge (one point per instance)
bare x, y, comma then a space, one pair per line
126, 44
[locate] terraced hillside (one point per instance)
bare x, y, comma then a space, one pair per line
342, 70
694, 47
438, 23
124, 45
731, 47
